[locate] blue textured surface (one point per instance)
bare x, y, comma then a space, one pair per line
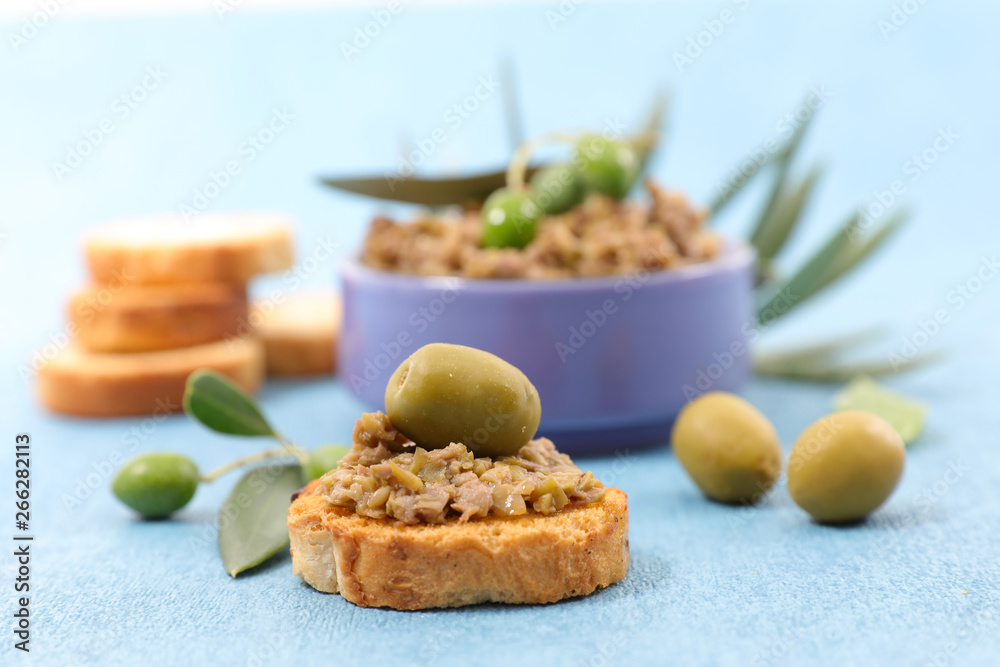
710, 585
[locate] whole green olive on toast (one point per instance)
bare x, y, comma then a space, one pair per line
451, 393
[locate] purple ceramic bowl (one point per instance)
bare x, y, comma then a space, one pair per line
614, 359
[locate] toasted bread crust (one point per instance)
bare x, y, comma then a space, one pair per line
115, 385
300, 333
530, 559
230, 248
156, 317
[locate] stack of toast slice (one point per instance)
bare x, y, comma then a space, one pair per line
168, 296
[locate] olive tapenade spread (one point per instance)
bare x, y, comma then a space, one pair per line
433, 486
600, 237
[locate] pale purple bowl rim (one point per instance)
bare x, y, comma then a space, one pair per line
734, 254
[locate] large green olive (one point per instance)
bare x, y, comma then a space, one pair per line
844, 466
557, 188
324, 459
156, 484
451, 393
728, 447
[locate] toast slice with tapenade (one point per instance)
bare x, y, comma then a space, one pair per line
399, 526
528, 559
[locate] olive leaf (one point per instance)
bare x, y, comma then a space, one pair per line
784, 162
829, 369
905, 414
827, 348
840, 254
775, 228
782, 157
856, 252
431, 192
822, 361
733, 187
253, 521
474, 189
653, 128
511, 107
219, 404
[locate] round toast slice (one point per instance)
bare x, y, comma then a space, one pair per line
142, 318
300, 332
115, 385
528, 559
219, 247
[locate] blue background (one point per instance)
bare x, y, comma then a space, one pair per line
915, 585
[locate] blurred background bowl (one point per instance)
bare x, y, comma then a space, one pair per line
613, 359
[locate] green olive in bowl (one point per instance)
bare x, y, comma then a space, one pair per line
845, 465
557, 188
607, 166
728, 447
451, 393
509, 219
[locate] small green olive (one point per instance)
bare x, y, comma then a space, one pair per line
509, 219
156, 484
844, 466
451, 393
607, 166
557, 188
728, 447
324, 459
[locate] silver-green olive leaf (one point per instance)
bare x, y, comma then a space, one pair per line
253, 521
219, 404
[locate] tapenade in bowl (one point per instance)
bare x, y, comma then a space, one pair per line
618, 311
